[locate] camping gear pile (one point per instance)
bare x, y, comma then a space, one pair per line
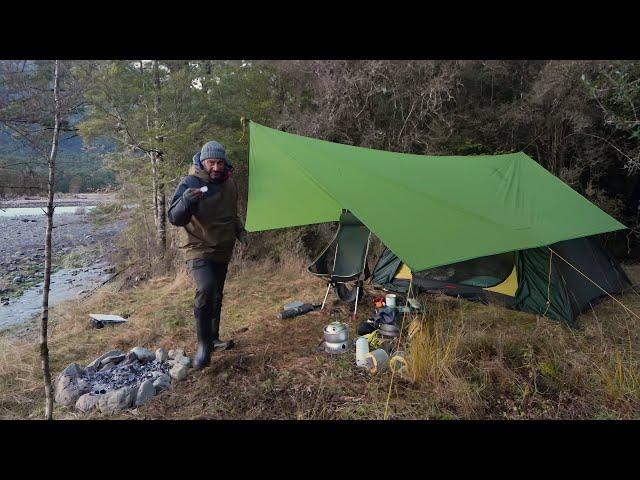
378, 338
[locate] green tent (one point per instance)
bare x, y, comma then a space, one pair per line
428, 210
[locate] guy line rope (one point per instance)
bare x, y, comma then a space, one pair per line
553, 252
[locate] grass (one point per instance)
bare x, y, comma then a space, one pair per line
465, 360
104, 213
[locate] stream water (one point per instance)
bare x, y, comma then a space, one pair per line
28, 211
66, 284
22, 234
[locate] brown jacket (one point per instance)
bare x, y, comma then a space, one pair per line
211, 225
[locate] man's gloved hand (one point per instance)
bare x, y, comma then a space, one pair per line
192, 195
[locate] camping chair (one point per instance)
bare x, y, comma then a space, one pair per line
344, 260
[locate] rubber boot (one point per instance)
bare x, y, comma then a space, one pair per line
205, 342
219, 345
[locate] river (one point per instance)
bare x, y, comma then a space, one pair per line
81, 262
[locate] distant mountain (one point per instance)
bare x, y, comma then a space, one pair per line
68, 143
79, 167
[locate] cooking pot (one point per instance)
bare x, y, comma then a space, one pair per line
388, 330
336, 332
336, 347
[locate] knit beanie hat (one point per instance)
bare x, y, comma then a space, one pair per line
213, 149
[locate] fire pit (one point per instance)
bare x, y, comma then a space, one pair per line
118, 381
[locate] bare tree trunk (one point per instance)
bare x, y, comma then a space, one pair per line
44, 348
161, 218
154, 178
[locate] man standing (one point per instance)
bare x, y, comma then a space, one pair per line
210, 228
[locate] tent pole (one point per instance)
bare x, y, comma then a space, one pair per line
355, 309
325, 296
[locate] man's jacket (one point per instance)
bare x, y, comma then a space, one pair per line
211, 224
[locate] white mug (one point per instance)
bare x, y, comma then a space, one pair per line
390, 300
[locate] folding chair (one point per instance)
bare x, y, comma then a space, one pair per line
343, 262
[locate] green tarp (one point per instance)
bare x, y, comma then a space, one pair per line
429, 210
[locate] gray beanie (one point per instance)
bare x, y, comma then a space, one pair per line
213, 149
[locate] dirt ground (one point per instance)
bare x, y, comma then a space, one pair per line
468, 360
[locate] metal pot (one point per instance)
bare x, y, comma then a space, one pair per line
388, 330
336, 332
336, 347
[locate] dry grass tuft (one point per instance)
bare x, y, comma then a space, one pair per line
433, 349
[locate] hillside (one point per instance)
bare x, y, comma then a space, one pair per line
80, 168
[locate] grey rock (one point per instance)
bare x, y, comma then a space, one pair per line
112, 353
161, 355
178, 371
171, 362
163, 382
83, 386
184, 360
113, 359
176, 353
72, 370
68, 390
143, 354
17, 279
87, 402
130, 358
146, 391
107, 367
116, 400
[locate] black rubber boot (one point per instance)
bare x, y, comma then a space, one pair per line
205, 342
219, 345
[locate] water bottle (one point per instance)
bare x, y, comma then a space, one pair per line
362, 348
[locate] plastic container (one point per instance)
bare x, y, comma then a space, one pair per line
376, 361
390, 300
362, 348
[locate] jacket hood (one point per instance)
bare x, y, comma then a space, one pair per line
200, 173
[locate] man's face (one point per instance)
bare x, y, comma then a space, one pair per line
214, 166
